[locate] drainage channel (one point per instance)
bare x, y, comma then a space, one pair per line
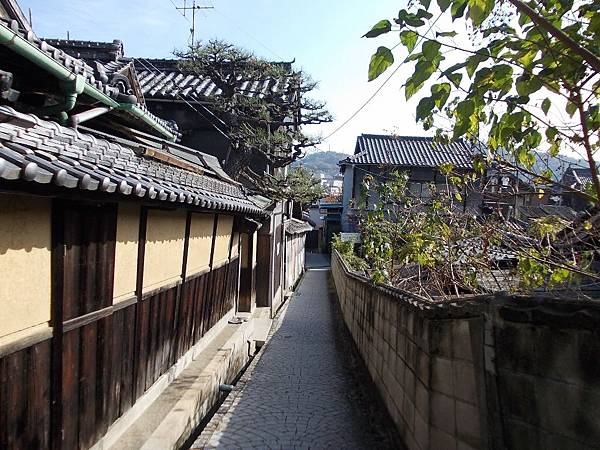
224, 390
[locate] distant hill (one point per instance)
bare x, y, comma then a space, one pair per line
322, 162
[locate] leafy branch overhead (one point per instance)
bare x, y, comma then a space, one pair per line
522, 77
261, 124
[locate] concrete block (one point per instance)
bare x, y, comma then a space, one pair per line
441, 440
410, 323
400, 371
411, 354
569, 410
393, 335
408, 412
465, 383
518, 394
464, 446
423, 367
442, 379
410, 381
401, 344
557, 354
441, 338
443, 414
519, 435
461, 340
589, 362
410, 442
422, 400
549, 440
421, 431
468, 427
515, 347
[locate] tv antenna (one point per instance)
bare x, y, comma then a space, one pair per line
193, 8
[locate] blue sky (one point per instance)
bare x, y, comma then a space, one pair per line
323, 37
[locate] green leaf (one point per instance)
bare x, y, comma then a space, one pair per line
444, 4
455, 78
546, 105
409, 39
446, 34
440, 93
380, 62
423, 14
524, 19
527, 85
571, 108
458, 8
423, 71
425, 3
479, 10
406, 18
381, 27
551, 133
424, 108
474, 61
431, 50
554, 149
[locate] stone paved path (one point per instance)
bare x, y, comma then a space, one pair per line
299, 394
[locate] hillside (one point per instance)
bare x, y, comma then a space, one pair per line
322, 162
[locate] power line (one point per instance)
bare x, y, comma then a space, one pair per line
364, 105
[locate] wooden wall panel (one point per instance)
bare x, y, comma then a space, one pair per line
108, 355
25, 398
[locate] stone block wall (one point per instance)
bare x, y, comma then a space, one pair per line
488, 372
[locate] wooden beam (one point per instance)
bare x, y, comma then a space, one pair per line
57, 269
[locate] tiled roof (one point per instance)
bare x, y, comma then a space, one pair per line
537, 212
44, 152
295, 226
164, 79
409, 151
94, 76
577, 177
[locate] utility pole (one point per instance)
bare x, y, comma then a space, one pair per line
192, 8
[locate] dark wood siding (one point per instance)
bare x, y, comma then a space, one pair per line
65, 392
25, 398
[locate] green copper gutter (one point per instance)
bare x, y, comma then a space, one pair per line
24, 48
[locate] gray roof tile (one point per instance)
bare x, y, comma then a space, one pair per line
118, 168
409, 151
164, 79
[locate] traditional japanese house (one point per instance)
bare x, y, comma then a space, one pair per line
184, 97
376, 156
121, 250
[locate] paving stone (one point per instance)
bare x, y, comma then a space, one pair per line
298, 394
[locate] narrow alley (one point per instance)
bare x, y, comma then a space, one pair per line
302, 391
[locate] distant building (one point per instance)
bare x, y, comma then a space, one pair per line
576, 178
379, 155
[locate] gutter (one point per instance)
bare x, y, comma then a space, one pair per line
24, 48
